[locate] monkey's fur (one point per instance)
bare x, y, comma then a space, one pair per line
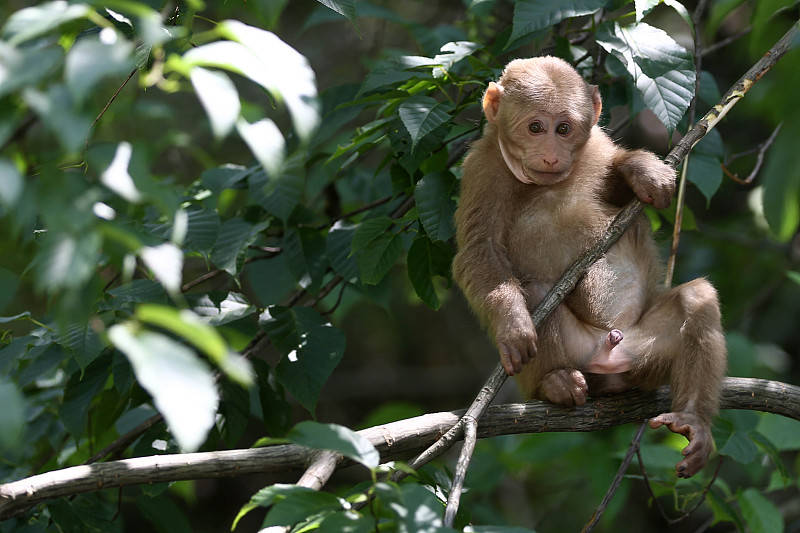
538, 189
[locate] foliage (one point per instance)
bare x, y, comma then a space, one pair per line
150, 254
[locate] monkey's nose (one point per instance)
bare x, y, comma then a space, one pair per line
550, 163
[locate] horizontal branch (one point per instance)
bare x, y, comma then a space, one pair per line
398, 440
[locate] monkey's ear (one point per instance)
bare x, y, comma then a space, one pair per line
491, 100
597, 102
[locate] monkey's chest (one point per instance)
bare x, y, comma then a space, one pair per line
612, 293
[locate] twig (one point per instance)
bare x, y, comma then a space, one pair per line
686, 514
676, 228
20, 132
125, 440
108, 104
632, 450
366, 207
470, 438
393, 441
710, 49
761, 149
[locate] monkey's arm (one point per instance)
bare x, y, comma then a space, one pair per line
651, 179
483, 271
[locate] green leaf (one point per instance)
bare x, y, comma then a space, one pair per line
375, 260
91, 60
781, 177
760, 514
166, 263
290, 504
235, 235
164, 514
421, 115
432, 195
534, 15
346, 8
31, 22
347, 522
11, 183
234, 307
116, 176
312, 349
425, 260
337, 438
82, 342
80, 390
338, 246
794, 276
705, 172
204, 337
182, 386
270, 279
12, 417
67, 261
264, 58
369, 230
138, 290
9, 282
266, 142
496, 529
56, 110
661, 69
731, 433
220, 99
203, 229
305, 252
772, 452
21, 68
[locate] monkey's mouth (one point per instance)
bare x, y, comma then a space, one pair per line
543, 177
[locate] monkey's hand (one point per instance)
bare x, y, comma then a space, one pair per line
564, 386
700, 441
516, 341
651, 179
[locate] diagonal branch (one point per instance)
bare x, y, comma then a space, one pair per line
394, 441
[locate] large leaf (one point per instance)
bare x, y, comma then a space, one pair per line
80, 390
421, 115
91, 60
234, 236
265, 141
67, 261
661, 69
346, 8
425, 260
20, 68
218, 95
781, 177
264, 58
435, 205
338, 248
82, 342
289, 504
116, 176
705, 171
12, 416
534, 15
312, 348
55, 108
166, 263
11, 183
305, 252
378, 257
31, 22
761, 515
337, 438
182, 385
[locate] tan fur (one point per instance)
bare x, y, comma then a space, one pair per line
532, 200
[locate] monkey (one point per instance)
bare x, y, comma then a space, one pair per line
539, 188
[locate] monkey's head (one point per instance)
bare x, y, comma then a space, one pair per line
543, 112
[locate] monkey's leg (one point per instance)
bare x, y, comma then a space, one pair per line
680, 342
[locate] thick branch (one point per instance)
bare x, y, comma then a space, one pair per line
397, 440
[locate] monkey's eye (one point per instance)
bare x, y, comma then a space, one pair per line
563, 128
536, 127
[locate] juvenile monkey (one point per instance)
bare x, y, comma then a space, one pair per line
541, 186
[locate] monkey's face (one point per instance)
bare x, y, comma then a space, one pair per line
539, 147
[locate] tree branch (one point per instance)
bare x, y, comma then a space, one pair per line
397, 440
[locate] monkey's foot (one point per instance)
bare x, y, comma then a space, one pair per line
609, 358
564, 386
700, 441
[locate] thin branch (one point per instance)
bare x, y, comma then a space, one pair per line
676, 229
632, 450
686, 514
393, 441
761, 149
125, 440
710, 49
108, 104
468, 448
